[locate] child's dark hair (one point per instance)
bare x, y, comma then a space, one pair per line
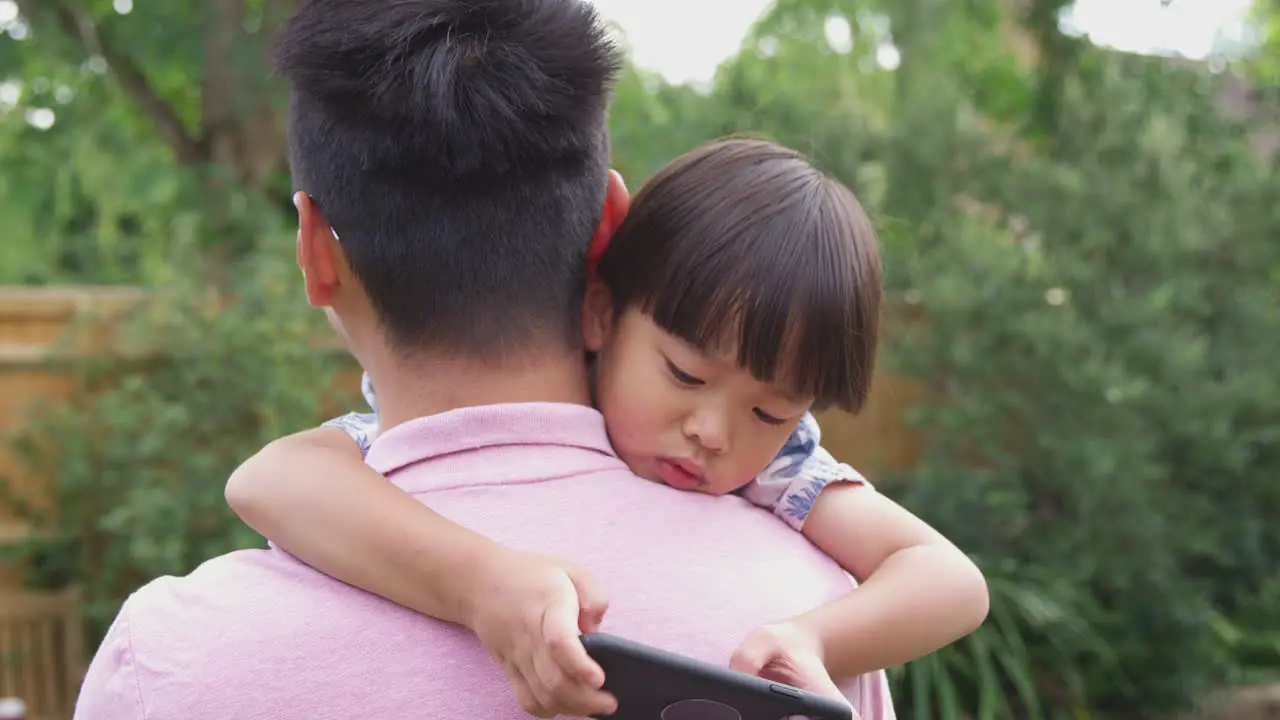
744, 244
459, 150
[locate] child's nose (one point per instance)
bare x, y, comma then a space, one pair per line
708, 428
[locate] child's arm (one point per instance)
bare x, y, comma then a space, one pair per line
313, 495
917, 592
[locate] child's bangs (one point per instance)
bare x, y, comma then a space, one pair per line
786, 294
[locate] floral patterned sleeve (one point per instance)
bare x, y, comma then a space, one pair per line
362, 427
790, 485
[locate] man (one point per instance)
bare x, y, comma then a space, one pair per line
452, 161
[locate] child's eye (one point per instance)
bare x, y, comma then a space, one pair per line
766, 418
681, 376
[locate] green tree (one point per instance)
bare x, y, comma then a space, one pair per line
138, 126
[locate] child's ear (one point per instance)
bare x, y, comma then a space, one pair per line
597, 315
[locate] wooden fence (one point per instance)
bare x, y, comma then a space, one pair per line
36, 351
41, 651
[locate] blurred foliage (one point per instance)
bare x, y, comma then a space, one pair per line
140, 454
1081, 260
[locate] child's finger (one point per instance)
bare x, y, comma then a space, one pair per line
571, 658
750, 657
568, 695
592, 601
562, 645
524, 693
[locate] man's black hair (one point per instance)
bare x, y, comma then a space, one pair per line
459, 150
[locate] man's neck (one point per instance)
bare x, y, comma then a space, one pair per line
412, 388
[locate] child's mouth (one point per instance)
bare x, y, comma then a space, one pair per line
680, 474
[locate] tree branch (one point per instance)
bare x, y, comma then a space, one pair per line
221, 87
79, 26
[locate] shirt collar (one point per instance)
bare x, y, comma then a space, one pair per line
473, 428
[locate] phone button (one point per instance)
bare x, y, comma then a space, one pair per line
785, 690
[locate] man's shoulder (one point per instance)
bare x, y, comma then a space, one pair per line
251, 598
212, 571
247, 581
290, 641
169, 604
162, 631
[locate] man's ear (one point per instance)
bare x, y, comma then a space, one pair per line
317, 252
597, 315
616, 203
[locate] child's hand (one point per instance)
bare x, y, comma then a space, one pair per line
786, 653
528, 611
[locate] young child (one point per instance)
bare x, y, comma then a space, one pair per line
740, 293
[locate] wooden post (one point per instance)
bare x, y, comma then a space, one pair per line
41, 651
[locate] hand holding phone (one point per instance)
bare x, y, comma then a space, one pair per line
654, 684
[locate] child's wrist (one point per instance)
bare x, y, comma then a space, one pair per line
808, 630
485, 570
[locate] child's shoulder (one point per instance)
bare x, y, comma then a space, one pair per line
792, 482
797, 452
361, 427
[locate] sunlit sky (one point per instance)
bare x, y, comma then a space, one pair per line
685, 40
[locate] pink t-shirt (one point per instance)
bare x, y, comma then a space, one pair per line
258, 635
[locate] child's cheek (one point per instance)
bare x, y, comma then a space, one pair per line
619, 424
733, 475
626, 439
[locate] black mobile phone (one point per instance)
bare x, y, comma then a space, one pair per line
654, 684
